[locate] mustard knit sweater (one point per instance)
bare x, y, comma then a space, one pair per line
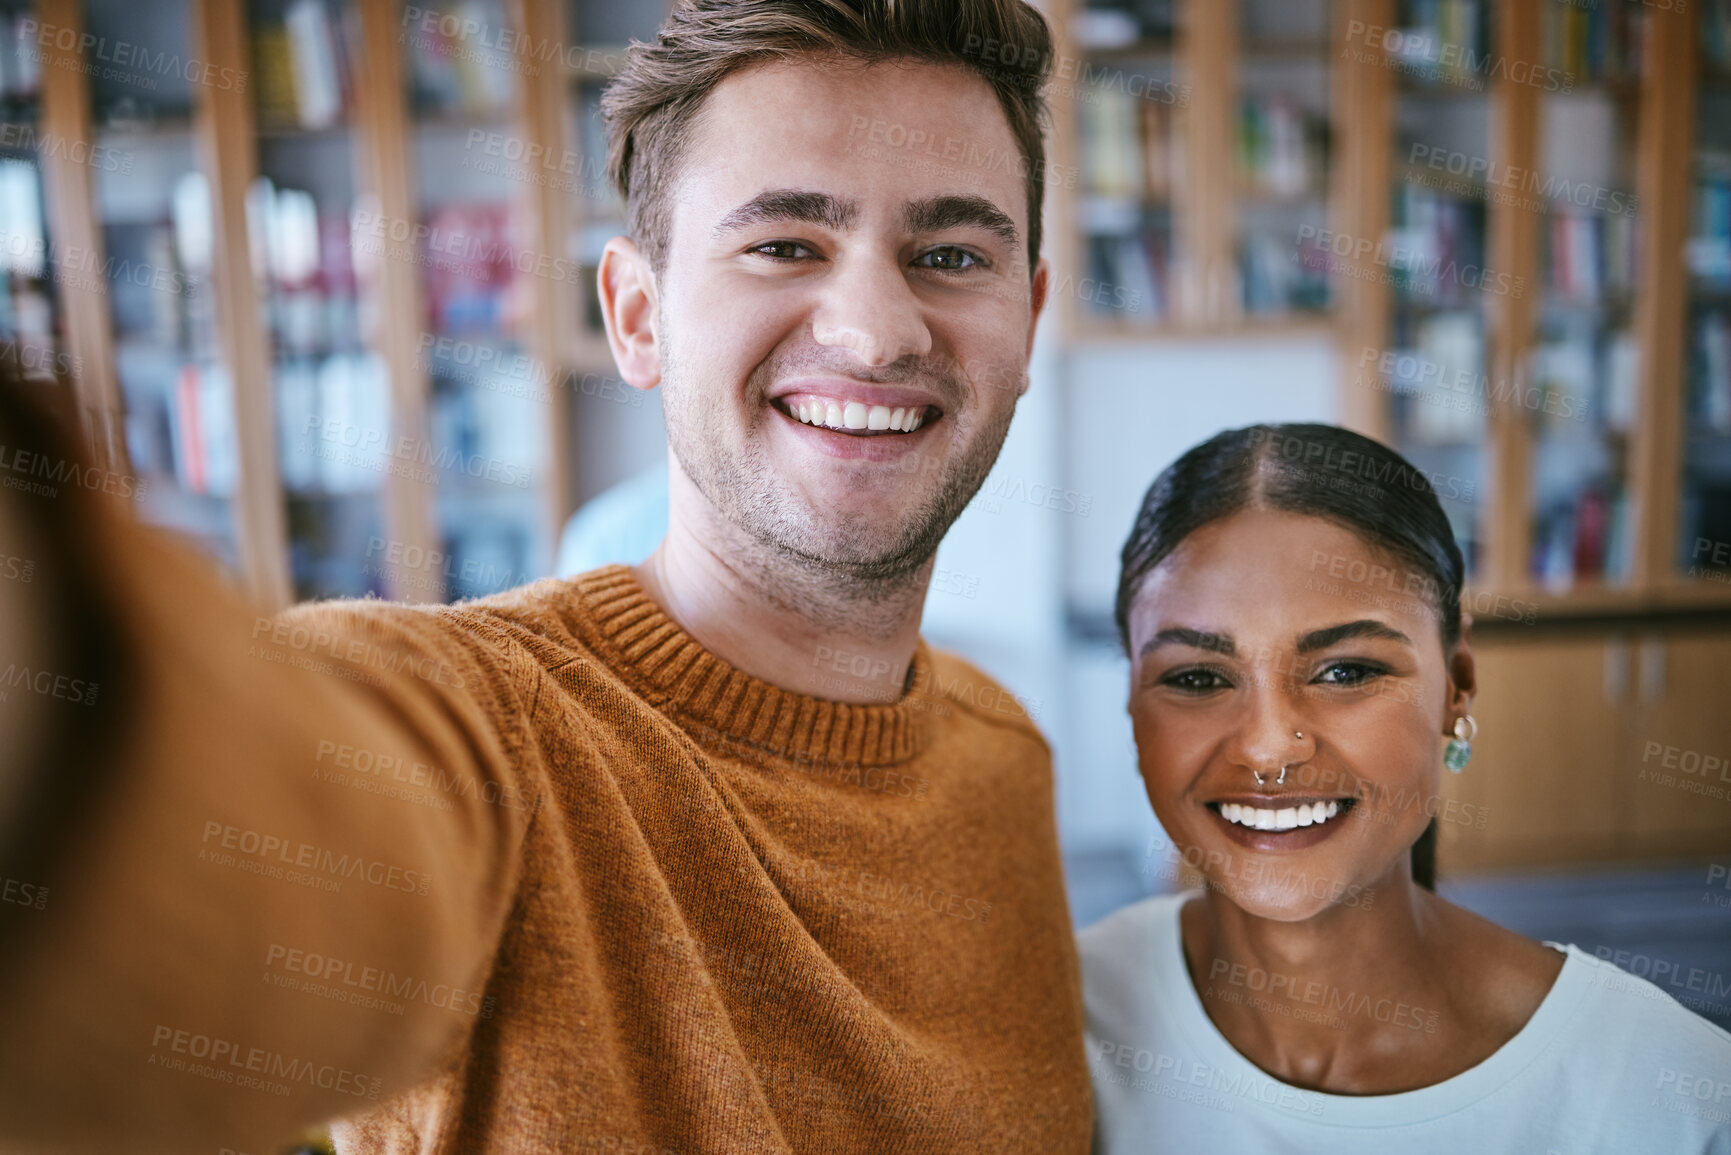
538, 873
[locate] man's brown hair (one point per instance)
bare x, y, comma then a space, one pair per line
650, 106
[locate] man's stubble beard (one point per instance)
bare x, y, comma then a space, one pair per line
810, 561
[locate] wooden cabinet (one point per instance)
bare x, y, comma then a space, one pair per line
1675, 759
1595, 747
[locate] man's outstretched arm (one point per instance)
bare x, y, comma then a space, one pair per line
203, 917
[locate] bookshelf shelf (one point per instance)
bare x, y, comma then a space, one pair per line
1138, 52
1267, 328
1314, 53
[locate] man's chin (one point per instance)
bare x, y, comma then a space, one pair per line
864, 544
875, 556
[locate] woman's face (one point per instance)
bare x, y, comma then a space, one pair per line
1264, 627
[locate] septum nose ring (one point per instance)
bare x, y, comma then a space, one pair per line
1280, 781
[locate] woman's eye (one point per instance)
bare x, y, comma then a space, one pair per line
1349, 673
948, 259
1195, 681
781, 250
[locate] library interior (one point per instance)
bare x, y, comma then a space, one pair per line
321, 275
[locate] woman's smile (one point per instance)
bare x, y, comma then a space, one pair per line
1280, 822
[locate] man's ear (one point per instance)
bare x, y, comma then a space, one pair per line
631, 311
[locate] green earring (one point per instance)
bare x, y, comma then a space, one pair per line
1460, 747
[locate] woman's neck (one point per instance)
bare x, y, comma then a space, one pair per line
1367, 999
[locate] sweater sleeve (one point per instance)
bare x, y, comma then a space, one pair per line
272, 897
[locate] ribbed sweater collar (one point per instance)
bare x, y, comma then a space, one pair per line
649, 650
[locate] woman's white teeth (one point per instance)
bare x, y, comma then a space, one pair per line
856, 415
1310, 814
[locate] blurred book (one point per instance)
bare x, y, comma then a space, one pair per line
1282, 151
1715, 33
1133, 275
206, 450
457, 68
468, 254
301, 67
1436, 247
1708, 250
1279, 277
1596, 42
1710, 379
1123, 22
1592, 255
1129, 150
1112, 145
20, 59
1446, 41
1452, 347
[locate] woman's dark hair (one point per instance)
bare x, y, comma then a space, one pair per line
1320, 471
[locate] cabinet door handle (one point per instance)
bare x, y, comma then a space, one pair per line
1652, 669
1616, 671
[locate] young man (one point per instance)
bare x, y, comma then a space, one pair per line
713, 855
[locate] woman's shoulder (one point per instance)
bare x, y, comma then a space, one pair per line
1641, 1012
1123, 953
1131, 927
1632, 1050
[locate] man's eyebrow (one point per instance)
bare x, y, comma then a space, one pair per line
1197, 639
1363, 628
787, 204
936, 214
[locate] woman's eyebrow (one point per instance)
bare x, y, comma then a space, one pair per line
1362, 628
1184, 636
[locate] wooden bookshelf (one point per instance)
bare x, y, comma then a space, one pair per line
380, 132
1649, 108
1228, 124
1214, 54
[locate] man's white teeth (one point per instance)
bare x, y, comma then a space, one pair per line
1310, 814
855, 415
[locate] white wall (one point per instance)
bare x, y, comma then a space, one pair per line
1133, 409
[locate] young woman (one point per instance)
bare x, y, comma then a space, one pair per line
1289, 600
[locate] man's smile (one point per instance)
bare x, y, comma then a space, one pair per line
853, 416
837, 404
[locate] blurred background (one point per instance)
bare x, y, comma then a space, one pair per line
321, 274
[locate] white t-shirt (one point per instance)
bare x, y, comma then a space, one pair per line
1608, 1063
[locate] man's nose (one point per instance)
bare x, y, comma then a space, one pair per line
869, 308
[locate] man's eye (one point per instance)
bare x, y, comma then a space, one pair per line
1197, 680
782, 250
1349, 673
948, 258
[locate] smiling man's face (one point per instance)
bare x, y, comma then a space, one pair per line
844, 323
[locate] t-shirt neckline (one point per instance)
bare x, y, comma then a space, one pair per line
1494, 1074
